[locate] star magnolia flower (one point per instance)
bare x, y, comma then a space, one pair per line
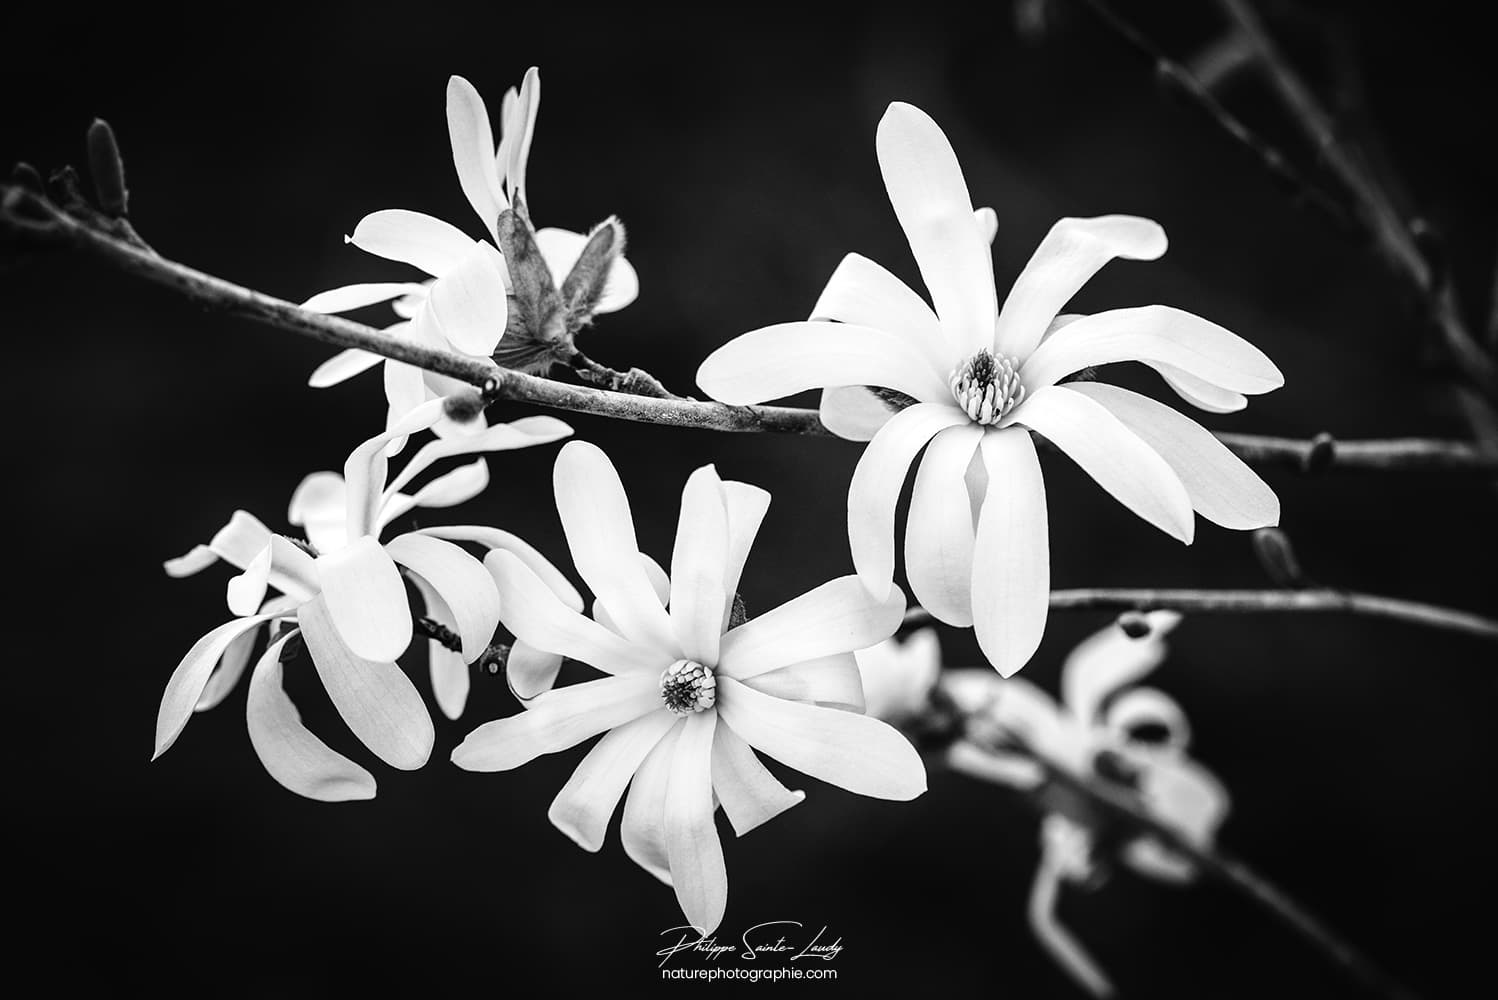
979, 378
347, 601
1100, 733
689, 698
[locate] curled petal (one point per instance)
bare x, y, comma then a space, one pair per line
469, 301
527, 432
1110, 659
185, 687
750, 794
462, 582
1146, 708
1198, 392
432, 245
448, 672
531, 671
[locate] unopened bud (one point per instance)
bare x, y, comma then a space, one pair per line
1134, 624
463, 408
584, 285
108, 169
1278, 558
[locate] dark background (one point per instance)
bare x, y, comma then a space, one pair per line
738, 148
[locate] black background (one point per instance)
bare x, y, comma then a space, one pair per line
738, 149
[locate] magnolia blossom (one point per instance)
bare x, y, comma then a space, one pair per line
1103, 730
342, 593
972, 379
691, 693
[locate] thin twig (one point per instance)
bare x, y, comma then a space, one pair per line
491, 661
498, 383
1315, 601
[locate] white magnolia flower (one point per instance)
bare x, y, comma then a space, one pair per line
1137, 738
898, 675
689, 698
346, 598
979, 378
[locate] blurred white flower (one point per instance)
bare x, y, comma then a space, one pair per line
689, 698
1135, 738
979, 378
347, 599
898, 675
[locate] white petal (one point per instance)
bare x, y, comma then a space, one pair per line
988, 223
833, 681
342, 366
1154, 334
582, 808
778, 361
1063, 947
897, 676
227, 673
863, 293
853, 412
241, 540
469, 301
531, 671
1108, 660
750, 794
1011, 555
1069, 255
473, 151
1221, 487
350, 297
837, 617
1114, 456
405, 390
366, 466
448, 672
533, 613
247, 590
1011, 769
185, 687
851, 751
876, 486
558, 719
494, 538
462, 582
1198, 392
931, 200
519, 128
366, 599
197, 559
693, 850
376, 699
297, 759
527, 432
939, 531
699, 566
1184, 794
318, 507
1147, 708
601, 535
432, 245
746, 506
448, 490
643, 828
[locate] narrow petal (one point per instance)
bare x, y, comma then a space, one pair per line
853, 412
833, 681
298, 760
1186, 795
350, 297
230, 668
851, 751
1144, 709
1067, 258
863, 293
1057, 940
241, 540
1114, 456
472, 140
448, 490
376, 699
582, 808
469, 301
746, 507
1011, 769
448, 672
527, 432
342, 366
939, 531
558, 719
877, 481
197, 559
366, 599
533, 613
699, 566
462, 582
246, 591
837, 617
750, 794
318, 506
931, 200
693, 851
1152, 334
643, 828
601, 535
1222, 488
365, 468
1110, 659
519, 129
530, 671
1011, 555
405, 390
185, 687
778, 361
495, 539
432, 245
1198, 392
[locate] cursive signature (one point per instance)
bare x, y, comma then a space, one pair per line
773, 938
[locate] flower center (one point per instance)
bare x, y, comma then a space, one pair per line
987, 387
688, 687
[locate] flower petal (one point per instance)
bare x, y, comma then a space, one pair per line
837, 617
851, 751
469, 301
931, 200
530, 671
230, 667
376, 699
582, 808
342, 366
643, 828
1069, 255
194, 561
1222, 488
601, 535
693, 850
853, 412
298, 760
898, 676
1198, 392
236, 543
1011, 554
699, 566
473, 151
527, 432
448, 672
782, 360
939, 530
350, 297
365, 468
1186, 795
863, 293
1147, 708
422, 241
877, 481
519, 128
405, 390
533, 613
1110, 659
558, 719
448, 490
495, 539
462, 582
746, 507
1011, 769
1114, 456
185, 687
1152, 334
833, 681
366, 599
749, 793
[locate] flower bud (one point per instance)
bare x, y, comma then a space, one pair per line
1278, 558
1134, 624
108, 169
